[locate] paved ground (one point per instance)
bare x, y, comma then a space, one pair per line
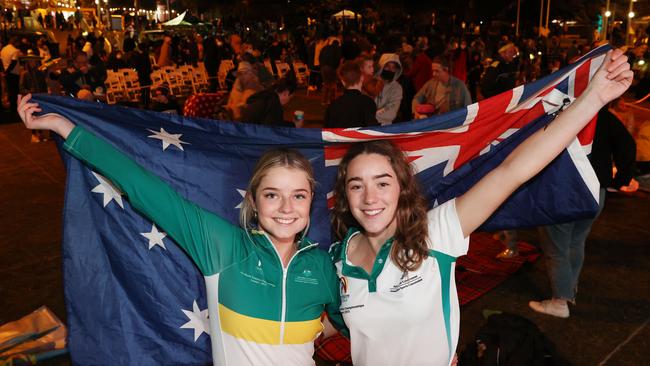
609, 325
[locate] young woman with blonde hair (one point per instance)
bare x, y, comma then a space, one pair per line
267, 284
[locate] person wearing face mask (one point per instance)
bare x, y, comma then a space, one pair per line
389, 99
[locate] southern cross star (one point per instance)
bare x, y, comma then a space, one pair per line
198, 321
155, 237
168, 138
109, 191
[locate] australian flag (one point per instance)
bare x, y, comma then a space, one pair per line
134, 298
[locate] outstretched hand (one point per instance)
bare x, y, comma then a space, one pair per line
613, 77
51, 121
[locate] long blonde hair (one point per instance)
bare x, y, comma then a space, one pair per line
282, 157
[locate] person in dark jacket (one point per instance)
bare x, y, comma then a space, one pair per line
353, 108
211, 60
265, 107
80, 76
138, 57
502, 74
330, 58
563, 245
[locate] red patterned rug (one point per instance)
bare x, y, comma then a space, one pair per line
476, 273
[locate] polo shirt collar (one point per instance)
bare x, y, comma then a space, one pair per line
350, 270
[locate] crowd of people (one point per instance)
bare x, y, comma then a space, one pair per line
408, 74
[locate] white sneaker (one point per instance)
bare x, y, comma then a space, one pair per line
552, 307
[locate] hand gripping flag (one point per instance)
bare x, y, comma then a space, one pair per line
133, 297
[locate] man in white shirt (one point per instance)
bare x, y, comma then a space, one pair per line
9, 55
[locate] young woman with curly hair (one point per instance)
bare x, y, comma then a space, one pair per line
396, 258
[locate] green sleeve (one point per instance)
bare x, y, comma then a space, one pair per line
212, 242
333, 308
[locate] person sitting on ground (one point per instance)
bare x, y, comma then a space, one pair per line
265, 107
443, 91
353, 108
246, 84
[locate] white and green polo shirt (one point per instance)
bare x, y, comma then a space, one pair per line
404, 318
260, 312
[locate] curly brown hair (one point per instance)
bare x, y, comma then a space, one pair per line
410, 247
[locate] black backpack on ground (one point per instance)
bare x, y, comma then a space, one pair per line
509, 340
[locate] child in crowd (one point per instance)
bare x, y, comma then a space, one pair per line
353, 108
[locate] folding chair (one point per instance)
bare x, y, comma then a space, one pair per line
157, 78
131, 84
187, 79
200, 79
173, 79
283, 68
302, 72
115, 88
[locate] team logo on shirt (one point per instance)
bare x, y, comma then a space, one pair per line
258, 268
406, 281
306, 277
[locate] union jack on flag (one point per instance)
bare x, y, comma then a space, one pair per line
133, 297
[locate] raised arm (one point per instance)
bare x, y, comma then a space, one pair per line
203, 235
530, 157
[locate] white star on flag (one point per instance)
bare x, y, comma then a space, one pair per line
109, 191
242, 193
155, 237
167, 138
198, 321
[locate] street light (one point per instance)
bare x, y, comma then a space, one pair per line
608, 13
630, 15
